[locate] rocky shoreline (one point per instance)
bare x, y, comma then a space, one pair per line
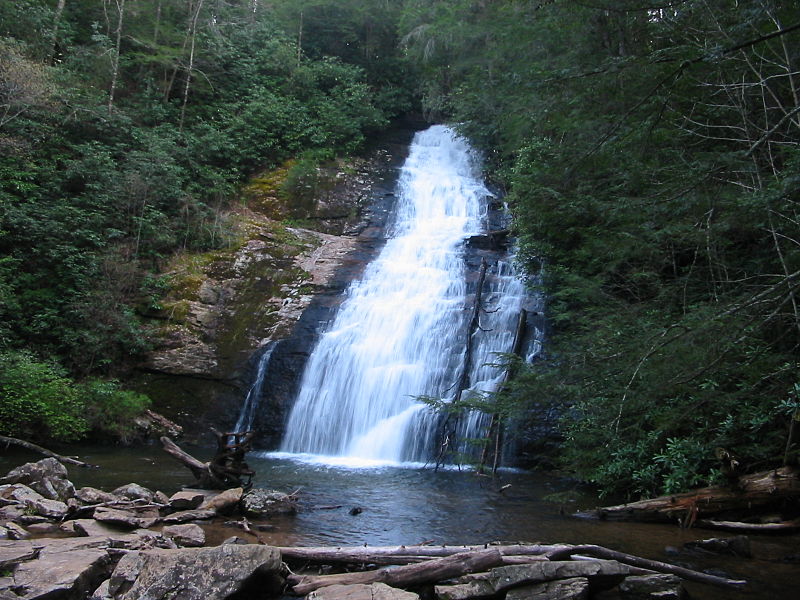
59, 542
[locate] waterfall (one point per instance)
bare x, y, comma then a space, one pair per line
400, 332
251, 401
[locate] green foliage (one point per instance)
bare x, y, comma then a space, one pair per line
110, 411
39, 402
662, 207
96, 193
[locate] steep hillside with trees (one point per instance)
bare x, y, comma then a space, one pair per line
126, 129
651, 154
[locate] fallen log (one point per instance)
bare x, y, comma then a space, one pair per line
645, 563
781, 527
758, 489
416, 574
371, 554
11, 441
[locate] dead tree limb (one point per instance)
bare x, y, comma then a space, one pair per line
360, 554
417, 574
224, 471
10, 441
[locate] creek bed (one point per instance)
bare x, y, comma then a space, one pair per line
412, 505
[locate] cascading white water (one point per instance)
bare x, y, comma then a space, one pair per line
400, 333
249, 408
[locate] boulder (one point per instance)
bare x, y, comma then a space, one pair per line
652, 587
101, 593
47, 476
34, 501
46, 528
602, 573
133, 491
197, 573
235, 539
736, 546
576, 588
187, 535
186, 500
375, 591
90, 495
160, 498
185, 516
265, 503
15, 552
63, 569
17, 532
91, 527
12, 512
224, 502
125, 518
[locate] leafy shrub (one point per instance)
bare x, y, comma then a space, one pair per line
38, 402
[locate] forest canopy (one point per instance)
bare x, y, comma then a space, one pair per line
649, 152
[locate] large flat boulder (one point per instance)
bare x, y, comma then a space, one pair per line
196, 573
185, 516
47, 476
576, 588
375, 591
65, 569
14, 552
652, 587
126, 518
186, 499
604, 573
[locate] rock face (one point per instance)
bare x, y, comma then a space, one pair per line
275, 287
196, 574
48, 477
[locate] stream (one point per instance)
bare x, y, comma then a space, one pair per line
412, 504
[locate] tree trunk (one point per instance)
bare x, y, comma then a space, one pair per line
192, 36
56, 25
115, 57
758, 489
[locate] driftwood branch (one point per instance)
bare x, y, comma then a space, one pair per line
427, 564
10, 441
224, 471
